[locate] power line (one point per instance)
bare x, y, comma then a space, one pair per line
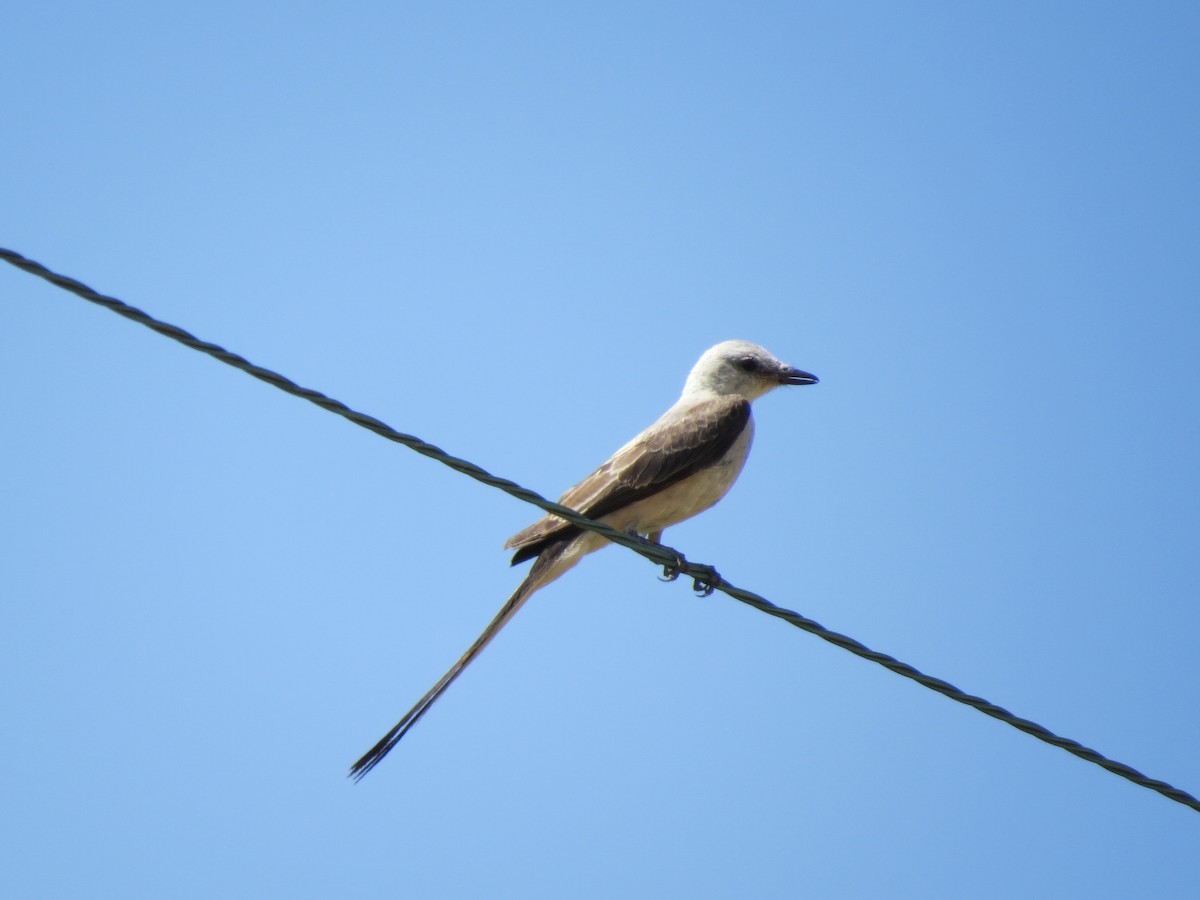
705, 578
656, 553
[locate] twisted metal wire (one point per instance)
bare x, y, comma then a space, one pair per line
705, 577
654, 552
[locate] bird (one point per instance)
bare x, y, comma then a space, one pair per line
678, 467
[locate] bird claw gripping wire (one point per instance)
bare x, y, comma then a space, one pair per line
703, 584
708, 581
671, 571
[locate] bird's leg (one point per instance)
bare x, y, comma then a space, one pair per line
703, 585
671, 571
707, 582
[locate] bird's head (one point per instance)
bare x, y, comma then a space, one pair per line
743, 368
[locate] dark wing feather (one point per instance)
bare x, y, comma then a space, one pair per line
676, 446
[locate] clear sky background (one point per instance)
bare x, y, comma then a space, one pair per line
511, 229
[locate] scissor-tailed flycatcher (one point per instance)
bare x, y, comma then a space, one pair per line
678, 467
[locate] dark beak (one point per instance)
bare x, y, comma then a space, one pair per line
788, 375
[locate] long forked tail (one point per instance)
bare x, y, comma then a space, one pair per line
533, 581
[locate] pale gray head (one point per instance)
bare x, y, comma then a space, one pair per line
740, 367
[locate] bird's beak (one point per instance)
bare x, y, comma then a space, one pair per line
789, 375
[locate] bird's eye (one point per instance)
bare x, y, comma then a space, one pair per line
749, 364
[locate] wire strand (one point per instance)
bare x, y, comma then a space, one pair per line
704, 577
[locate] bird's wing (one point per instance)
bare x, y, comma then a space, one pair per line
682, 442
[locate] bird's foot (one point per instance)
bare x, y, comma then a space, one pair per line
671, 571
705, 583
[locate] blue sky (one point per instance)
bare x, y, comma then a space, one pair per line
511, 229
